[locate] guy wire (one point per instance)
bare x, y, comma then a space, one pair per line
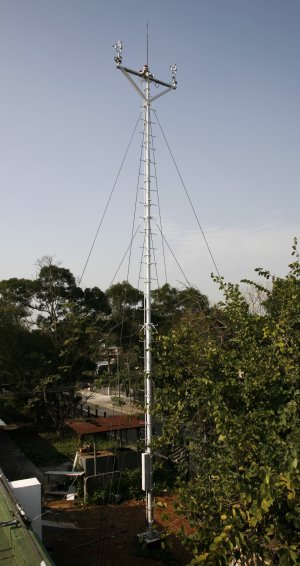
187, 194
109, 199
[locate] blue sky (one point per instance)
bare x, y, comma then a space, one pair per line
233, 124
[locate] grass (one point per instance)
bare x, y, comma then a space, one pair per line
65, 447
47, 449
44, 449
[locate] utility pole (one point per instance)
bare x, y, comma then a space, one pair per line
147, 78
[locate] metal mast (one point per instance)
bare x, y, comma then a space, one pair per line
147, 78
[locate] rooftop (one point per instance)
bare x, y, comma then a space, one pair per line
18, 542
100, 425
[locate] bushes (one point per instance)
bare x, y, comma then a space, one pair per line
230, 390
127, 485
118, 488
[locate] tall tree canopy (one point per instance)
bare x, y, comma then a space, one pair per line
170, 303
49, 333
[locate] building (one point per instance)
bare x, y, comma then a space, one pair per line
19, 543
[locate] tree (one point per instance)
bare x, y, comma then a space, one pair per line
169, 304
73, 318
126, 315
49, 335
55, 396
93, 302
16, 300
55, 290
124, 296
192, 300
228, 389
166, 300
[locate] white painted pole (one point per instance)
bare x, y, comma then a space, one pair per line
147, 456
147, 306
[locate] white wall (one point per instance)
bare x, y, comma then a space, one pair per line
28, 494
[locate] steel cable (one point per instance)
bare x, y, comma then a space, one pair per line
187, 194
109, 199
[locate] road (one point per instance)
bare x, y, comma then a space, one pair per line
103, 404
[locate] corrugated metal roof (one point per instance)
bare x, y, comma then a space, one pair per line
100, 425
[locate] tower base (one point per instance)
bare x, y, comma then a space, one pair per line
150, 537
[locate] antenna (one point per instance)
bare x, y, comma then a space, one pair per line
147, 78
147, 45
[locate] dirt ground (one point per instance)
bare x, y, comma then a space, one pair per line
107, 535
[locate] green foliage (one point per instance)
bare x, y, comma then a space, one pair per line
121, 487
117, 401
126, 316
44, 449
228, 388
164, 477
169, 304
123, 295
53, 333
128, 485
48, 331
